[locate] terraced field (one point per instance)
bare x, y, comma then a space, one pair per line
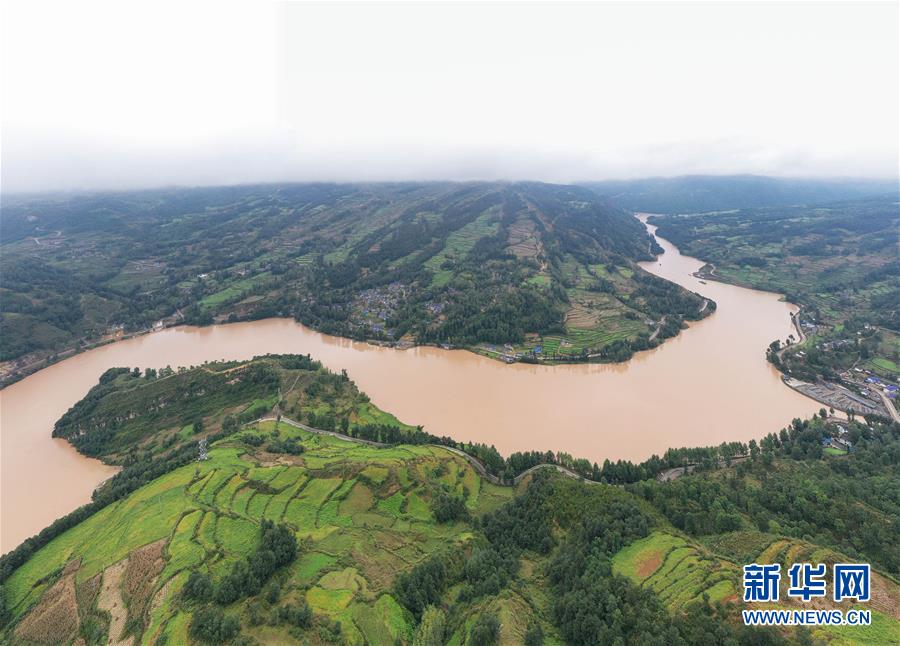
362, 515
380, 533
233, 291
460, 243
678, 571
681, 572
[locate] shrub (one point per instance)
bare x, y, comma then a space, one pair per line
448, 508
299, 615
199, 587
211, 625
485, 631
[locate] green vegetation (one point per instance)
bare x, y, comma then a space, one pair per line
847, 502
705, 193
346, 562
837, 260
350, 542
429, 263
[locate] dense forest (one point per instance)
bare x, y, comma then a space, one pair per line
546, 269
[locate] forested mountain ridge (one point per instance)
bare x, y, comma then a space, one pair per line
536, 266
703, 193
283, 534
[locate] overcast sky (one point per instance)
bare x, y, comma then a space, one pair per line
133, 94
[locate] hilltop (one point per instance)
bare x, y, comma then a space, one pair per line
544, 270
374, 532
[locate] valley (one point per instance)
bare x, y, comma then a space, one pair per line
402, 540
518, 271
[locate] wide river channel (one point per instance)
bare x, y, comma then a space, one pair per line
710, 384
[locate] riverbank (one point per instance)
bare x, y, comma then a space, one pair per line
833, 395
537, 352
673, 395
11, 373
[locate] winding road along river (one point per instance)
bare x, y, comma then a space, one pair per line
710, 384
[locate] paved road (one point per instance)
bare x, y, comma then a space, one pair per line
476, 463
889, 405
795, 319
318, 431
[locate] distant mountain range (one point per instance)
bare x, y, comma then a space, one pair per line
701, 193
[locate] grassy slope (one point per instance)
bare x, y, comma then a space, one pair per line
361, 513
680, 571
362, 516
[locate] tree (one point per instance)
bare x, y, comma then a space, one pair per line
534, 636
209, 624
422, 586
430, 631
230, 424
447, 508
198, 587
4, 611
485, 631
299, 615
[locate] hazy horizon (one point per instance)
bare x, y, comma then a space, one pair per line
114, 97
836, 180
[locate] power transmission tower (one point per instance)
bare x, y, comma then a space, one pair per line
203, 455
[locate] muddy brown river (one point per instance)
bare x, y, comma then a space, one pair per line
710, 384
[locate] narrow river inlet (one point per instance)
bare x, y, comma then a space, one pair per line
710, 384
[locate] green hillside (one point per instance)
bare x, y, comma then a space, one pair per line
837, 260
371, 556
465, 264
703, 193
384, 535
360, 515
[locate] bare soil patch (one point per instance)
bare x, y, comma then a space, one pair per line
111, 601
649, 564
144, 565
55, 618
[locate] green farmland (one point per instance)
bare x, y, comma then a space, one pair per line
284, 534
361, 514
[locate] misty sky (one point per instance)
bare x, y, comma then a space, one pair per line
124, 94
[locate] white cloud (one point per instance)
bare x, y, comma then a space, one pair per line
117, 94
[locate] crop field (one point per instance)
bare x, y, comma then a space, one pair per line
578, 340
676, 570
143, 275
539, 280
362, 515
523, 239
460, 243
366, 413
233, 291
887, 363
594, 319
369, 225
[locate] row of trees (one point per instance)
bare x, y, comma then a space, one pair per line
841, 502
